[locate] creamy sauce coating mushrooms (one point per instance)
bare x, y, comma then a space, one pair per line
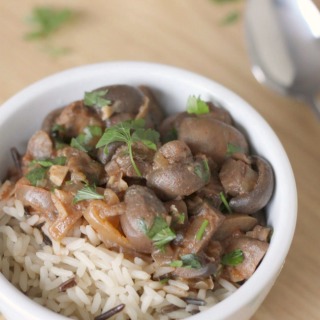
183, 190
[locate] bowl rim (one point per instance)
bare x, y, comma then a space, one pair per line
272, 263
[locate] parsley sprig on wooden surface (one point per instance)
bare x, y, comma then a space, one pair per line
46, 20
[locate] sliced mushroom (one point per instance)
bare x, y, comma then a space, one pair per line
209, 220
155, 113
234, 222
83, 167
192, 273
39, 146
254, 200
142, 207
253, 251
121, 162
211, 137
237, 177
76, 117
50, 120
176, 180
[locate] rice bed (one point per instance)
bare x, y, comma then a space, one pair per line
104, 278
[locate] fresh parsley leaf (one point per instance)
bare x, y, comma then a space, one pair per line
181, 218
232, 149
96, 99
187, 261
160, 233
163, 237
191, 261
129, 132
225, 202
82, 141
87, 193
47, 20
230, 18
202, 170
197, 106
202, 229
176, 264
148, 137
36, 175
233, 258
50, 162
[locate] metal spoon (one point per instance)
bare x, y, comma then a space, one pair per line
283, 39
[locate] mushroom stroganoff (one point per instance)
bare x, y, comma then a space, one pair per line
181, 197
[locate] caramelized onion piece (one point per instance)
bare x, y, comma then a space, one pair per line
105, 227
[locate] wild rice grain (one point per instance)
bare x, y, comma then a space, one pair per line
67, 284
194, 301
110, 313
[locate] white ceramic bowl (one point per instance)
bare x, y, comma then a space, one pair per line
21, 115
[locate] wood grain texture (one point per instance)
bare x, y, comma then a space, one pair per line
187, 34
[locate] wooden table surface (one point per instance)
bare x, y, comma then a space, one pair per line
187, 34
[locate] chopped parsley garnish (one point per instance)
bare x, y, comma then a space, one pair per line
50, 162
129, 132
87, 193
160, 233
82, 141
181, 218
47, 20
36, 175
187, 261
202, 170
96, 99
233, 258
202, 229
197, 106
225, 202
231, 149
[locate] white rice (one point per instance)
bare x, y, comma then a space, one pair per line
104, 279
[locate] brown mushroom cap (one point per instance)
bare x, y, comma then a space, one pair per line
210, 137
260, 195
142, 205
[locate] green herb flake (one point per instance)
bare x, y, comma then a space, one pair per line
164, 280
47, 20
202, 229
230, 18
187, 261
82, 141
191, 261
160, 233
225, 202
232, 149
233, 258
50, 162
197, 106
36, 175
87, 193
202, 170
96, 99
129, 132
181, 218
176, 264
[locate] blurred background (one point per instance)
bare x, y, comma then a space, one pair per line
204, 36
